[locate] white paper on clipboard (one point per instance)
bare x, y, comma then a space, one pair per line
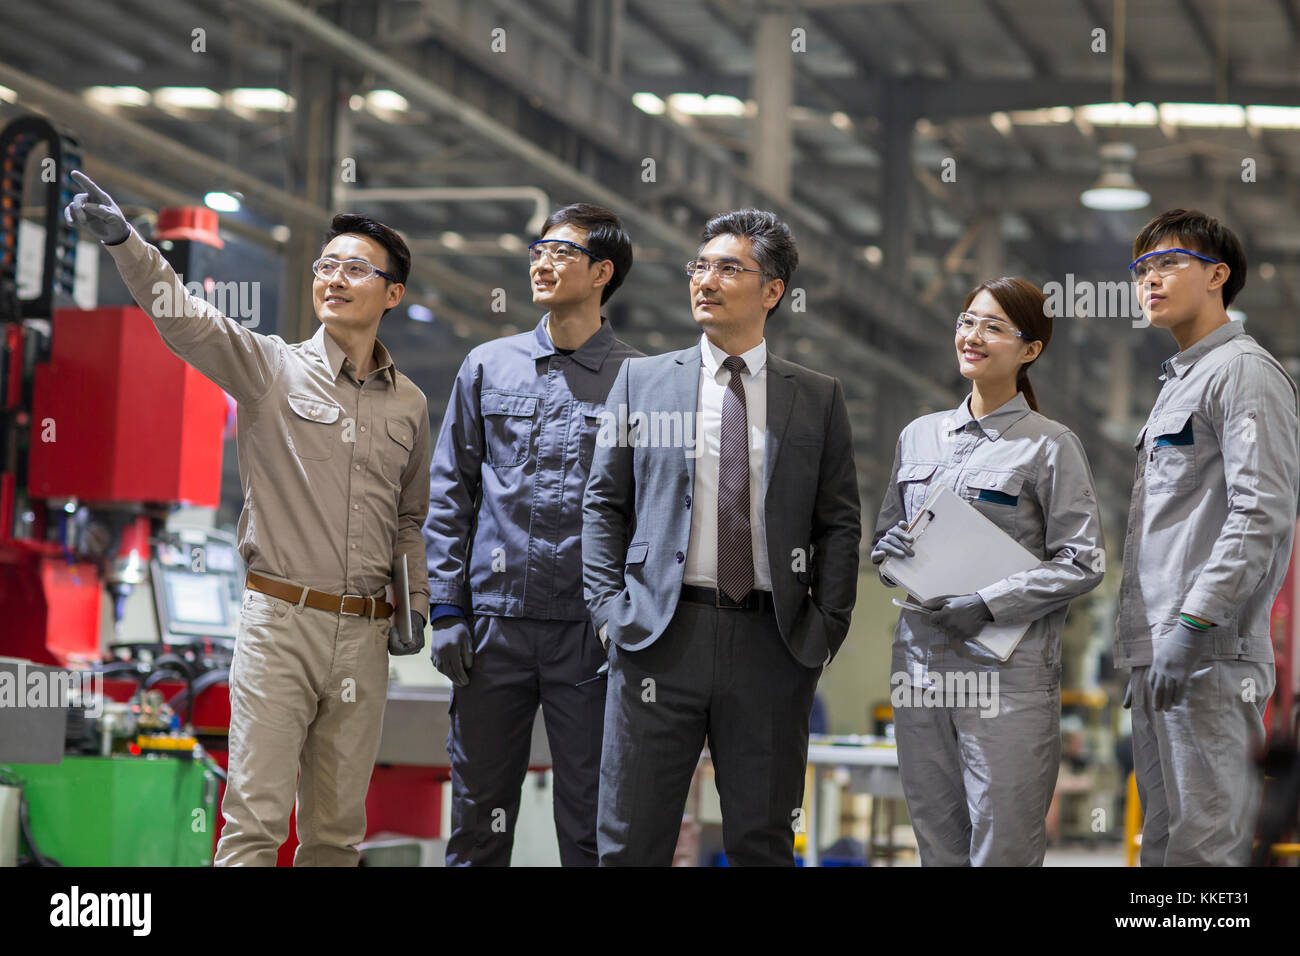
959, 551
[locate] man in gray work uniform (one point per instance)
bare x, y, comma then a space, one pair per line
504, 544
1210, 530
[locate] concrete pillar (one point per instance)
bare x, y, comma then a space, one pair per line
771, 150
897, 121
990, 249
315, 86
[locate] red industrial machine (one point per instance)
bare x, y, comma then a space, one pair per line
103, 434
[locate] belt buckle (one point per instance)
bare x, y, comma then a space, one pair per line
360, 597
720, 596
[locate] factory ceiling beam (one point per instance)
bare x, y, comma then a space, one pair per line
107, 134
706, 174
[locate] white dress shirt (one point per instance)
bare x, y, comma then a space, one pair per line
702, 551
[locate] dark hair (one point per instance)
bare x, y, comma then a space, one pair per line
773, 247
399, 256
606, 238
1026, 307
1201, 233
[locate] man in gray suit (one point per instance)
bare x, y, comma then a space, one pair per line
720, 560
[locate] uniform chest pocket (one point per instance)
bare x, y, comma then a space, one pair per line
914, 485
1171, 453
312, 423
996, 495
508, 421
586, 422
396, 450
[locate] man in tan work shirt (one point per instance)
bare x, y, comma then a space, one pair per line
334, 462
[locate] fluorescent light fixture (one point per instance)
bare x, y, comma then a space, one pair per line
281, 233
118, 95
1001, 122
452, 240
841, 121
510, 242
357, 102
387, 101
1116, 190
187, 97
221, 202
1049, 116
419, 313
8, 95
1119, 114
648, 103
261, 98
715, 104
1273, 117
1202, 114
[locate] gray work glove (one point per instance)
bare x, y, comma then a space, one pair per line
895, 542
399, 648
451, 648
1172, 662
962, 616
95, 212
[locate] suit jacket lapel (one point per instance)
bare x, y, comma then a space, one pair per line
780, 399
686, 398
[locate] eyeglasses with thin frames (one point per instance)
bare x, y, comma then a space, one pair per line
699, 268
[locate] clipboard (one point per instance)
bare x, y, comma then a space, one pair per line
959, 551
401, 600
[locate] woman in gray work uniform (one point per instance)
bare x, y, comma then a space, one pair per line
980, 748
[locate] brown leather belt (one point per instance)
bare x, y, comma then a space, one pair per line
357, 605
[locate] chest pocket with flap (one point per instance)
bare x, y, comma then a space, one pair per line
397, 450
1171, 454
996, 495
508, 420
914, 485
312, 430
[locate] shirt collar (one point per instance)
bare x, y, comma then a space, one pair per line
590, 354
333, 356
993, 424
712, 357
1178, 365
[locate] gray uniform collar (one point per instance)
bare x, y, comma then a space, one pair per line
590, 354
995, 423
1177, 366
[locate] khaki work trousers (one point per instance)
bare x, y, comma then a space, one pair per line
307, 693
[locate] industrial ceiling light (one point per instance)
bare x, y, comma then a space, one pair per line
1116, 189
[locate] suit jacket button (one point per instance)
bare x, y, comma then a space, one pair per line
688, 501
680, 557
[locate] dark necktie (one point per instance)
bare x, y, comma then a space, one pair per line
735, 548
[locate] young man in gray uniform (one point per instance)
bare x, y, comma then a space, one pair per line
504, 536
1210, 529
333, 454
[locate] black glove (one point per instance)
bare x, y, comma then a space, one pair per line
451, 648
399, 648
1172, 662
962, 616
895, 542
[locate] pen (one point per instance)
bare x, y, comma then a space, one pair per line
911, 607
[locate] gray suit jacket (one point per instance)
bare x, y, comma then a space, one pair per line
636, 519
